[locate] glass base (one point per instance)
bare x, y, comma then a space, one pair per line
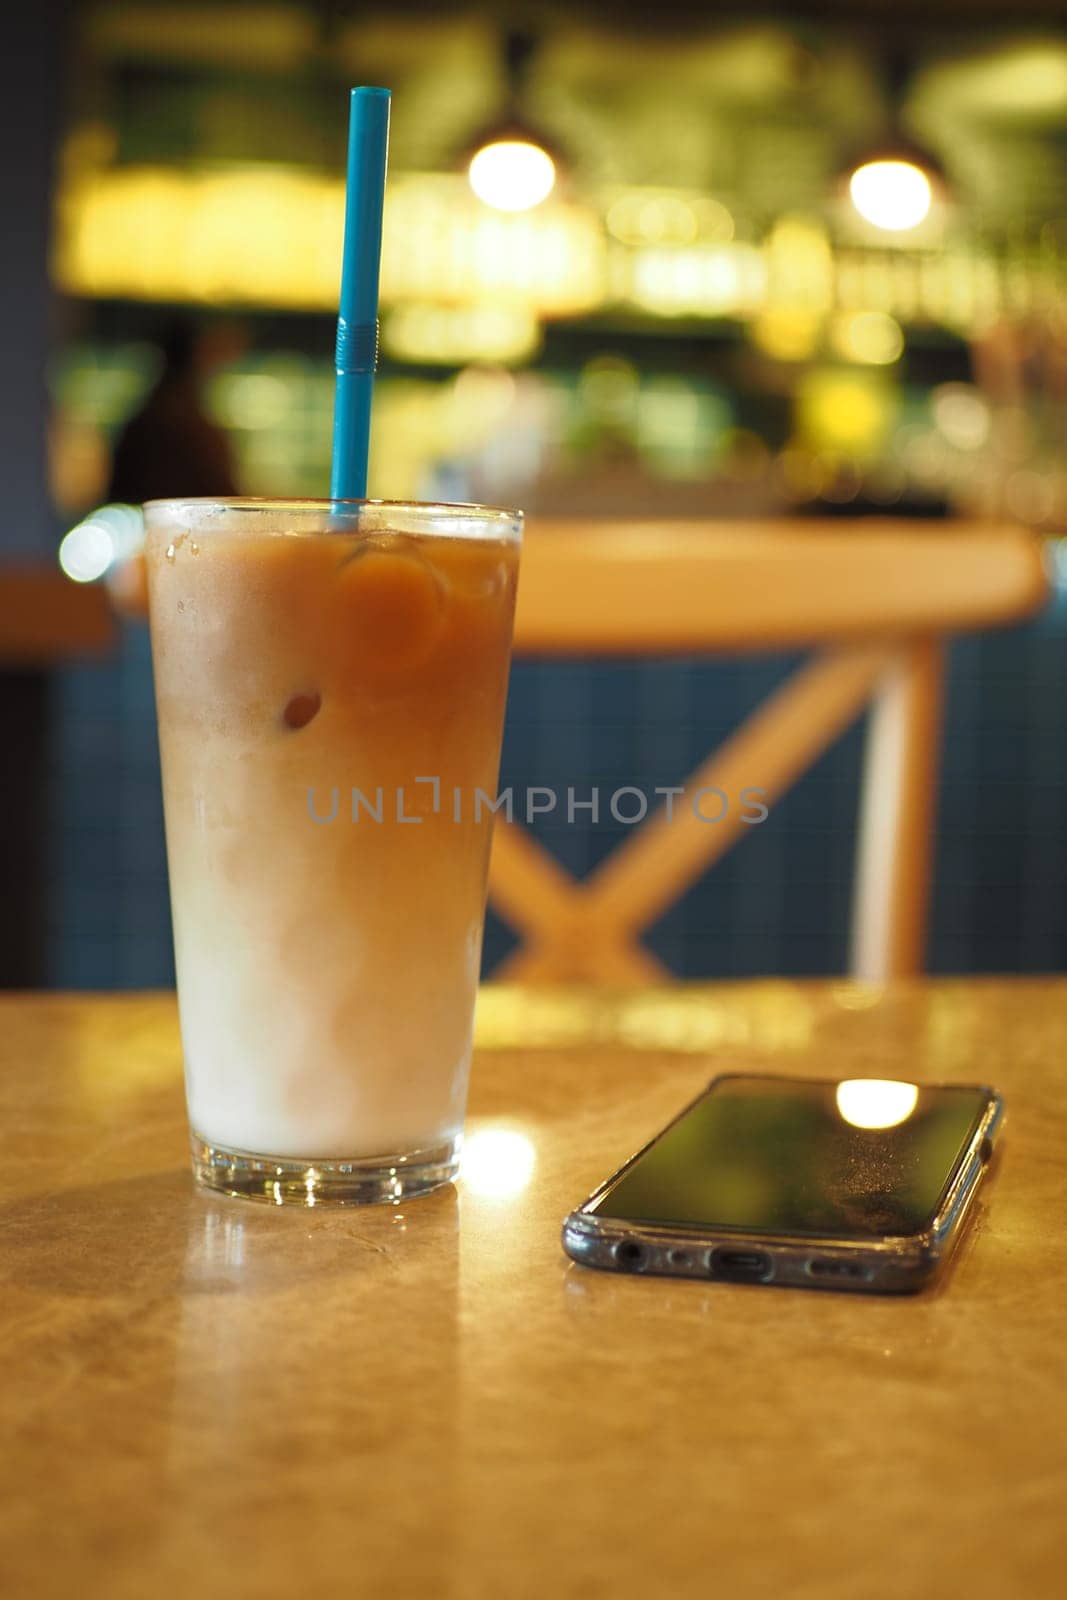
293, 1181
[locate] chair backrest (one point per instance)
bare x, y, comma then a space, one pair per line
45, 619
875, 599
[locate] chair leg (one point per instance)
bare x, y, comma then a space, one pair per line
892, 884
618, 960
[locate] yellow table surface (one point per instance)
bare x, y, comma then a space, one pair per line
205, 1397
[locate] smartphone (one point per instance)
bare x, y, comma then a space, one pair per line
860, 1183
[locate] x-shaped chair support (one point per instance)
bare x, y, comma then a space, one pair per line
590, 929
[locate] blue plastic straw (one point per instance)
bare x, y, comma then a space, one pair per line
357, 322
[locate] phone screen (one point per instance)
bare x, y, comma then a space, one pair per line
860, 1158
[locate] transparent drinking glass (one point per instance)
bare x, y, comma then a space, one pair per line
330, 684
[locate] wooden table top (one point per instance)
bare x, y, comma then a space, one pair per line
208, 1397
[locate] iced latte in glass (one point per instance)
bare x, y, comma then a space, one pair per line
330, 682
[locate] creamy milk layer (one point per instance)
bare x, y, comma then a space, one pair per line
327, 960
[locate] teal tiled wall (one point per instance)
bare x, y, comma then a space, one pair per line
777, 904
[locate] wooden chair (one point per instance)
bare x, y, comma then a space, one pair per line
45, 619
874, 599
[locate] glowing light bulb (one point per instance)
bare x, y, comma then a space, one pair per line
87, 552
894, 195
512, 175
871, 337
107, 535
876, 1102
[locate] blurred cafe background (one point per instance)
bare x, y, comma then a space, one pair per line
693, 294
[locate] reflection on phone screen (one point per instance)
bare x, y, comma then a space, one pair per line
863, 1158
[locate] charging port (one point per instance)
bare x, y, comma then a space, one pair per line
741, 1266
